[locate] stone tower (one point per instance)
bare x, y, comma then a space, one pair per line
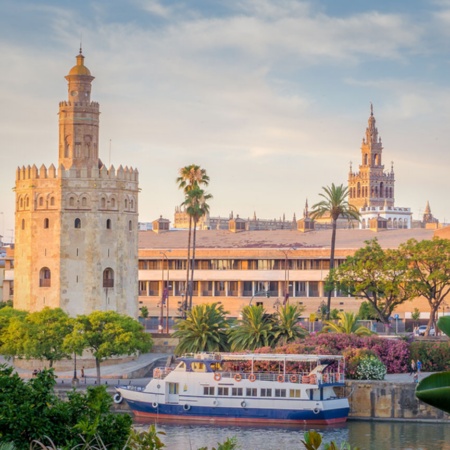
371, 185
77, 227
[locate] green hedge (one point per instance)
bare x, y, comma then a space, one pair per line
435, 356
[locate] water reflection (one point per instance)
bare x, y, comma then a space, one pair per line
366, 435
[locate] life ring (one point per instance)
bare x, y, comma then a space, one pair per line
252, 377
280, 378
155, 405
238, 377
243, 404
118, 398
316, 410
294, 378
186, 407
217, 376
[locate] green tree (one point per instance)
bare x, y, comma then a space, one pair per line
107, 334
196, 208
429, 272
287, 328
30, 410
367, 312
255, 329
190, 177
379, 276
334, 205
144, 312
415, 316
348, 324
205, 329
7, 314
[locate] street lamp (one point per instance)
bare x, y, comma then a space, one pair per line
286, 273
74, 379
165, 295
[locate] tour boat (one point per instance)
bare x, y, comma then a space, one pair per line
244, 388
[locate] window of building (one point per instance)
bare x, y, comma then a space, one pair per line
222, 391
132, 204
108, 224
41, 201
126, 203
113, 202
251, 392
45, 277
46, 223
108, 278
208, 390
23, 224
52, 201
71, 201
103, 202
237, 391
266, 392
130, 225
84, 201
77, 223
21, 203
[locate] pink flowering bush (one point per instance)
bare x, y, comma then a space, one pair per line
394, 353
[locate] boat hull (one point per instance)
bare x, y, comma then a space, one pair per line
207, 414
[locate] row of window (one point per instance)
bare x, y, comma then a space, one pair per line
250, 392
239, 264
45, 277
77, 224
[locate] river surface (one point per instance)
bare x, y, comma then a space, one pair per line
365, 435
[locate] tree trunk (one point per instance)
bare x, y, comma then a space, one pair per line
188, 262
97, 366
333, 245
193, 262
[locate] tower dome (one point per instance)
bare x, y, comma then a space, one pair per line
80, 68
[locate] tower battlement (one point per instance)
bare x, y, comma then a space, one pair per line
120, 174
92, 104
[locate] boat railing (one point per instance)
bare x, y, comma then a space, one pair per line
299, 377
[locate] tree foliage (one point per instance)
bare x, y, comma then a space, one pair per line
379, 276
107, 334
347, 323
254, 329
429, 271
31, 411
334, 205
204, 330
287, 328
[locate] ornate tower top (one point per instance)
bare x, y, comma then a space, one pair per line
79, 120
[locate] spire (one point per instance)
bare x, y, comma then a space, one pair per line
427, 208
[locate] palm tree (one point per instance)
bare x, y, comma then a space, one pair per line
335, 204
196, 208
190, 177
348, 324
287, 328
255, 329
204, 329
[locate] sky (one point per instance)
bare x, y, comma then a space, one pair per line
271, 97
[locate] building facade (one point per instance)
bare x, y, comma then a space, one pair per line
77, 226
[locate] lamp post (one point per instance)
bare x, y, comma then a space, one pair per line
74, 379
165, 296
286, 273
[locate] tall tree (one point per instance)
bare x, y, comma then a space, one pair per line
190, 177
107, 334
379, 276
196, 208
205, 329
348, 324
334, 205
429, 263
255, 329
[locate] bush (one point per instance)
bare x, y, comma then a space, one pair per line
370, 368
353, 358
435, 356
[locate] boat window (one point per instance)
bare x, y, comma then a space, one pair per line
216, 366
294, 393
237, 391
198, 367
173, 388
280, 392
251, 392
266, 392
208, 390
222, 391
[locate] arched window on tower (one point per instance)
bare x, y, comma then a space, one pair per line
108, 224
108, 278
46, 223
358, 190
45, 277
72, 201
365, 159
130, 226
84, 201
27, 202
132, 204
77, 223
41, 201
113, 202
23, 224
52, 201
381, 189
103, 202
21, 203
126, 203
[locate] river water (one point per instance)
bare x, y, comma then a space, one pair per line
365, 435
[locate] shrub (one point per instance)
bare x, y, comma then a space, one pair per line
370, 368
353, 358
435, 356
